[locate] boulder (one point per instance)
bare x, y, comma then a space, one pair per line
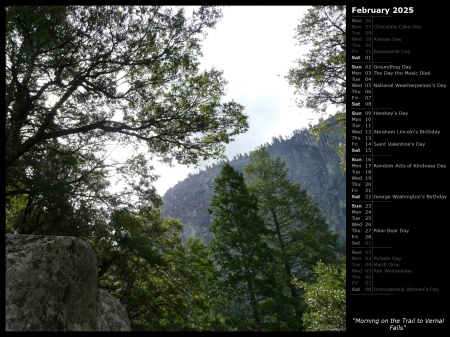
52, 285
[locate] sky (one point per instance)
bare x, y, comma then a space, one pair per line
255, 47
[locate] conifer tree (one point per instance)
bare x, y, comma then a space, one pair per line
241, 255
299, 233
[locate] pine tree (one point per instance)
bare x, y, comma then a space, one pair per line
300, 235
240, 253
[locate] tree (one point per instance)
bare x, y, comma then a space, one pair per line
299, 233
160, 282
326, 298
239, 251
58, 193
81, 77
320, 77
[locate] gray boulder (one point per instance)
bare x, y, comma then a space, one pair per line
52, 285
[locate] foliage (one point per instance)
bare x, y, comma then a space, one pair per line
274, 222
299, 233
320, 77
81, 78
160, 282
326, 298
57, 194
239, 251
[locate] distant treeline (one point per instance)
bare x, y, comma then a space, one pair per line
275, 140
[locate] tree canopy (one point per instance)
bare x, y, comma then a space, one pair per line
81, 77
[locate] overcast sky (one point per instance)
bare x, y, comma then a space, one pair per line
255, 47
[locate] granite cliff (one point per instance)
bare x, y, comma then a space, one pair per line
312, 163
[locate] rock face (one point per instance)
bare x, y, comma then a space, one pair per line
312, 163
52, 285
